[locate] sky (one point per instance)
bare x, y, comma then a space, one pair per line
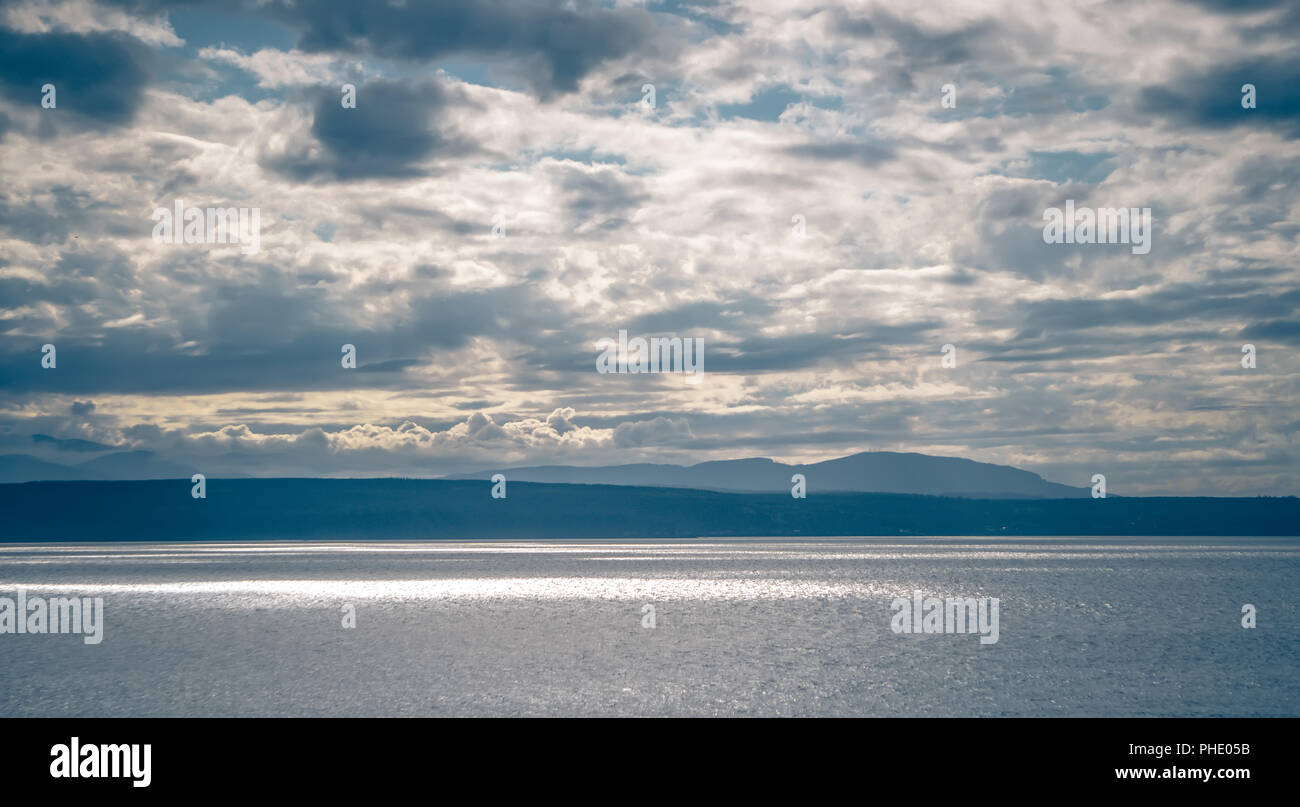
805, 194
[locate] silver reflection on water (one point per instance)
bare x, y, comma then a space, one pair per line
1088, 627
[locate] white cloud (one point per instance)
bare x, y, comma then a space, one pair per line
84, 16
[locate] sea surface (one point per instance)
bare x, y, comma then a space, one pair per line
1088, 626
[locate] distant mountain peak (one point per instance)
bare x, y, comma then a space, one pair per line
863, 472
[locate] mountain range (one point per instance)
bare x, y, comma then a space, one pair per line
867, 472
117, 465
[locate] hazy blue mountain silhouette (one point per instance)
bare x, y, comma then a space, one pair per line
388, 509
118, 465
26, 468
133, 465
868, 472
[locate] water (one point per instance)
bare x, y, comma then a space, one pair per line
1140, 626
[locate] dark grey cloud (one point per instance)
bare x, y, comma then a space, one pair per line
603, 198
389, 366
915, 52
1173, 303
99, 78
1241, 6
274, 335
77, 279
399, 216
1286, 331
734, 314
854, 342
919, 47
551, 45
864, 152
1211, 97
395, 129
1267, 182
69, 444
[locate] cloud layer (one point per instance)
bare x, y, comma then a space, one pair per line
503, 196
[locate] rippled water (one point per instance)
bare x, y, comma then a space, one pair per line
1109, 626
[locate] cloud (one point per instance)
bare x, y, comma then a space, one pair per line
277, 69
402, 127
551, 46
658, 431
922, 227
84, 16
72, 444
99, 78
1212, 97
